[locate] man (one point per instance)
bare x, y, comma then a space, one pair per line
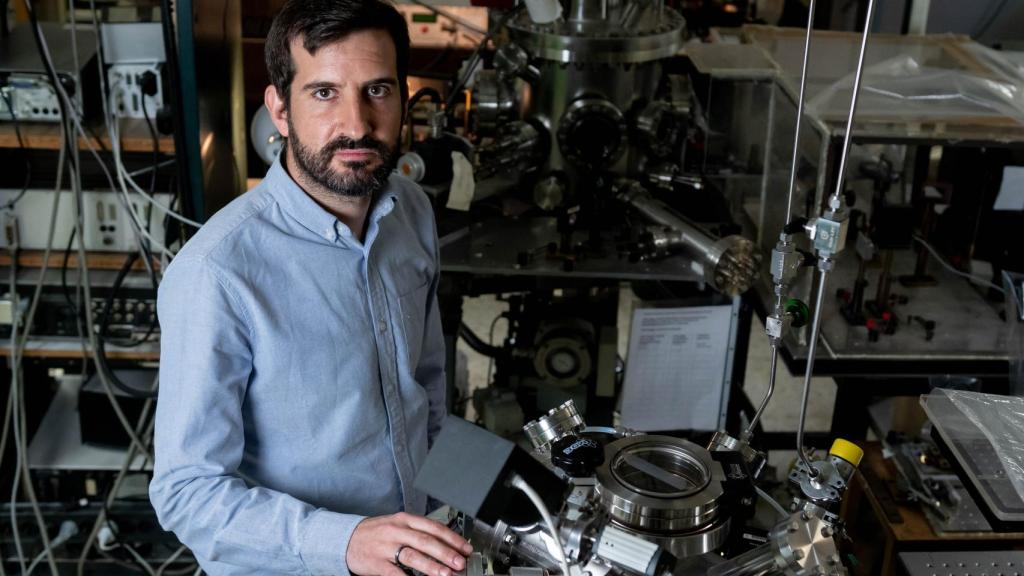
302, 363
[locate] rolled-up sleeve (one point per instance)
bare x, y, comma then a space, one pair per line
197, 492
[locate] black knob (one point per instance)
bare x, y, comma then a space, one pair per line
577, 456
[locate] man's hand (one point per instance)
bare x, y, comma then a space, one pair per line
429, 547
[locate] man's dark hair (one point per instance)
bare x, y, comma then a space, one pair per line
320, 22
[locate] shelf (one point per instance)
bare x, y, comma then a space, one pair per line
98, 278
42, 136
58, 443
61, 348
94, 260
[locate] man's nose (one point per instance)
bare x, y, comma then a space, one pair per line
356, 118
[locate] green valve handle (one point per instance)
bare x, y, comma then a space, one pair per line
798, 312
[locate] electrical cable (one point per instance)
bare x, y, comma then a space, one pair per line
101, 519
425, 92
101, 353
523, 486
938, 257
474, 342
490, 342
67, 530
24, 152
64, 102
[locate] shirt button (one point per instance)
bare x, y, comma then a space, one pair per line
383, 327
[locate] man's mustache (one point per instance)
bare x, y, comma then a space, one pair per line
366, 142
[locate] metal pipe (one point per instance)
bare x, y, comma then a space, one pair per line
812, 349
799, 111
767, 396
780, 285
730, 263
837, 195
824, 261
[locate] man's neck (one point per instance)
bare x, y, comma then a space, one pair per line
351, 211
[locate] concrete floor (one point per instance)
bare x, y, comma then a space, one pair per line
781, 415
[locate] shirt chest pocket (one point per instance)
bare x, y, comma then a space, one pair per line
413, 310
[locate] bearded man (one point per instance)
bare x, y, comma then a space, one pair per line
302, 361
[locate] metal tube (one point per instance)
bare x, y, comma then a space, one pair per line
780, 286
767, 395
811, 350
853, 103
799, 112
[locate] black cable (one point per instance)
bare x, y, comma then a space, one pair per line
70, 142
476, 343
24, 152
101, 336
425, 92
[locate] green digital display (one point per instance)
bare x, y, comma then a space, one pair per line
424, 18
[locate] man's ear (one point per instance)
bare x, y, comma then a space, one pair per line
278, 108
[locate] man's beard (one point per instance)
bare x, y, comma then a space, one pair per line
357, 181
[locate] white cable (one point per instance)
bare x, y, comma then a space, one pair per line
949, 267
520, 484
771, 502
15, 400
67, 530
83, 269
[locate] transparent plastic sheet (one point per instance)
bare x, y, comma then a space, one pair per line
901, 88
1013, 286
986, 434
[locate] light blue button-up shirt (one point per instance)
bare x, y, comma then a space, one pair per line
301, 377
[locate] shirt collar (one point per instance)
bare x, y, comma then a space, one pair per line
298, 204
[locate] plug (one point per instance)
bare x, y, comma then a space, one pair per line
147, 83
106, 538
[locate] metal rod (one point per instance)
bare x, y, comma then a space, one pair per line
853, 101
824, 262
812, 349
799, 111
767, 395
780, 287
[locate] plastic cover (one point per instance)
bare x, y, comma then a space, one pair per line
985, 433
904, 88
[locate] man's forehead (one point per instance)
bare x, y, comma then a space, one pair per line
370, 47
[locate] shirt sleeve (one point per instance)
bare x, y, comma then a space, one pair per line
431, 369
197, 492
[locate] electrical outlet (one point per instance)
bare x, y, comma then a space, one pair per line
126, 97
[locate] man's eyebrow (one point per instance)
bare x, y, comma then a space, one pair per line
318, 84
389, 80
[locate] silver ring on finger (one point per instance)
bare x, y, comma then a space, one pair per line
398, 554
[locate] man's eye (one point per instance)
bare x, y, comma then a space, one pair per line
378, 91
323, 94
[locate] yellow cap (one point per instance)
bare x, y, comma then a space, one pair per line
847, 451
